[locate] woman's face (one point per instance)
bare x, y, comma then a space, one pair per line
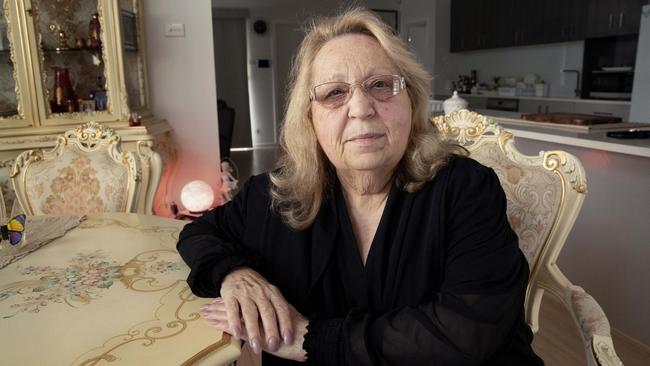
363, 134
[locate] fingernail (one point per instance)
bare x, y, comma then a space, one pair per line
272, 342
255, 345
288, 337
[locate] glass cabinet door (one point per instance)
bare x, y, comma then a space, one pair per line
133, 55
75, 52
15, 100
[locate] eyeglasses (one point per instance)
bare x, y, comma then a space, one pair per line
336, 93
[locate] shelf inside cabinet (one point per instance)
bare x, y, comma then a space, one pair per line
71, 49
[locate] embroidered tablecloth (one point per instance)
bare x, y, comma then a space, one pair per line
111, 291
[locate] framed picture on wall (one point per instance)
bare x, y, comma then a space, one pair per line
129, 30
389, 17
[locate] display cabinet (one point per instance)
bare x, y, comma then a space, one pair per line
67, 62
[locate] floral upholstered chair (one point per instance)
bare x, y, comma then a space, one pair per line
545, 194
86, 172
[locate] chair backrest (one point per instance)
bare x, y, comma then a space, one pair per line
86, 172
544, 192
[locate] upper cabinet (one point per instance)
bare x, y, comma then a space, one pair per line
614, 17
68, 62
482, 24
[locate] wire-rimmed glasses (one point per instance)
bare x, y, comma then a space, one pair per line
334, 94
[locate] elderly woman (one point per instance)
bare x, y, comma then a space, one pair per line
373, 242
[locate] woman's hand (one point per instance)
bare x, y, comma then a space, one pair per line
216, 314
250, 298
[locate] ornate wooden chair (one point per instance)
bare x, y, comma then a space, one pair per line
545, 194
86, 172
6, 189
152, 165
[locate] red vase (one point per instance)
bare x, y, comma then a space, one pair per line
63, 96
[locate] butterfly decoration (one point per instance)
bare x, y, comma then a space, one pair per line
14, 231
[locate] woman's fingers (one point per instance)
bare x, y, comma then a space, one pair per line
266, 316
283, 314
270, 324
250, 316
233, 316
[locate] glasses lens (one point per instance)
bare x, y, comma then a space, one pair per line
335, 94
331, 94
383, 87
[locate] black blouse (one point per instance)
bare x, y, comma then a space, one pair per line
444, 281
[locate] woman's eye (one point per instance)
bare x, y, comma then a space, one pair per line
335, 93
380, 84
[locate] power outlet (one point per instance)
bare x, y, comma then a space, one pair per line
175, 30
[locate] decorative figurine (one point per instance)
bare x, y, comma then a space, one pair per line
62, 37
94, 32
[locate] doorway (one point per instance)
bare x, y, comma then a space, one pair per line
230, 58
416, 38
287, 38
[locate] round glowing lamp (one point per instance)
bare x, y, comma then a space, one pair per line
197, 196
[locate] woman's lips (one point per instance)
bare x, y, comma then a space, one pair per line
366, 138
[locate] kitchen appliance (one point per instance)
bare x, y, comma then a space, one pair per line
570, 118
640, 106
612, 83
609, 67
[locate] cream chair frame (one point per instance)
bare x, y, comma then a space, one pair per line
87, 138
152, 165
473, 132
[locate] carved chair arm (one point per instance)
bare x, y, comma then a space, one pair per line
593, 326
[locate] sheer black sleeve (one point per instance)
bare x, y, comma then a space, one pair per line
212, 245
479, 306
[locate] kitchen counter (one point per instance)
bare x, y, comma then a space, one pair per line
493, 94
563, 134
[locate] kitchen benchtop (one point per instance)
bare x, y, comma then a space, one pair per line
596, 139
490, 94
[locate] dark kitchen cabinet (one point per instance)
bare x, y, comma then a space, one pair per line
563, 21
469, 25
483, 24
614, 17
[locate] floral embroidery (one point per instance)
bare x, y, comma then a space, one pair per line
162, 266
75, 189
84, 280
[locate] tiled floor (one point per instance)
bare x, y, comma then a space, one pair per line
557, 341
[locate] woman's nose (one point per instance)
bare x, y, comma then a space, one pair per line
360, 104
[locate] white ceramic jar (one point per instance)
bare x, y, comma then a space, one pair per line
454, 103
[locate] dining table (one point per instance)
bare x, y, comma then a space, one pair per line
103, 289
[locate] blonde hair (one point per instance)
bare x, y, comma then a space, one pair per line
300, 182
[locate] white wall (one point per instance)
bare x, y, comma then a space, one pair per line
545, 60
261, 81
182, 87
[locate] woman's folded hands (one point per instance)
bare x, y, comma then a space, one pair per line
252, 309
